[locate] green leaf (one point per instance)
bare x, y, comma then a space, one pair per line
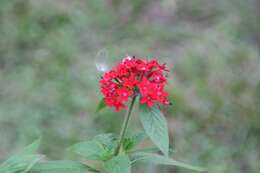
138, 138
118, 164
151, 150
101, 105
161, 160
130, 142
148, 150
32, 163
23, 161
108, 140
155, 126
20, 164
89, 150
32, 148
100, 148
127, 144
62, 166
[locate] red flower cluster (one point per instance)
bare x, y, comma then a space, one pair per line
134, 76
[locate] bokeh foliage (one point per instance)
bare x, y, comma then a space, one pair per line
48, 80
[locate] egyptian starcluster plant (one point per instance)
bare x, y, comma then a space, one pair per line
132, 80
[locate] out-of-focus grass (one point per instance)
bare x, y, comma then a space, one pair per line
48, 80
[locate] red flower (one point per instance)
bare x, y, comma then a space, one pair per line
134, 76
124, 93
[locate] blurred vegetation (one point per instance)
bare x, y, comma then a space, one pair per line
48, 80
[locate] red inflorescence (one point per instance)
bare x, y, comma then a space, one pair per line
134, 76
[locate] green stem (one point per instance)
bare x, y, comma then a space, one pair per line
124, 126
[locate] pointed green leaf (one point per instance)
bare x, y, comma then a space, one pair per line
100, 148
101, 105
62, 166
161, 160
155, 126
23, 161
118, 164
20, 164
32, 148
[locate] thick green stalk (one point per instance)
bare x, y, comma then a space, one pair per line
124, 126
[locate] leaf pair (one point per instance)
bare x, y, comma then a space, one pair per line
154, 123
155, 126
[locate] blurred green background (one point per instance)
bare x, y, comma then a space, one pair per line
49, 83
